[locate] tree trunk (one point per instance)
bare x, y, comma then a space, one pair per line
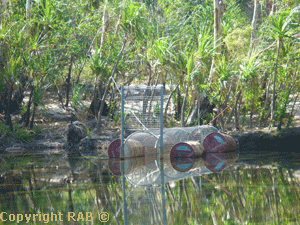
274, 82
234, 108
219, 10
104, 27
254, 22
98, 125
27, 114
178, 106
98, 85
287, 101
273, 7
7, 110
28, 6
69, 81
291, 114
183, 105
33, 115
4, 3
169, 99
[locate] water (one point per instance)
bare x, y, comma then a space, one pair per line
221, 189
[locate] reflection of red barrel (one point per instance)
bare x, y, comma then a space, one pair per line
130, 165
114, 165
188, 149
216, 162
216, 142
186, 164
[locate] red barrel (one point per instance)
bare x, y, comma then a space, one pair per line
132, 148
114, 149
216, 142
188, 149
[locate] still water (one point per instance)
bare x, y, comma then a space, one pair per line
223, 188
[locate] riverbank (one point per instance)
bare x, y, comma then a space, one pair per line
52, 124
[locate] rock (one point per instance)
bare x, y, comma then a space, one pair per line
76, 132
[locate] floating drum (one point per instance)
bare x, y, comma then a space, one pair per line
149, 139
216, 142
188, 149
132, 148
171, 137
114, 149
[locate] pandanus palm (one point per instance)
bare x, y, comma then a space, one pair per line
282, 27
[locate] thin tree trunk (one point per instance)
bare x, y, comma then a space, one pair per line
266, 99
178, 107
273, 7
4, 3
119, 19
224, 105
32, 117
237, 115
291, 114
69, 81
290, 90
274, 83
7, 110
28, 6
219, 10
267, 6
169, 99
233, 108
147, 92
104, 27
183, 105
27, 114
2, 62
98, 125
254, 22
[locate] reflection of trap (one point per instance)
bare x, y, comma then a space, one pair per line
142, 172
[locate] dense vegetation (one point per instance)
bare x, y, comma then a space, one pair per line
72, 48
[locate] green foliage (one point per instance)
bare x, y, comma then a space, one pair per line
171, 40
20, 134
238, 41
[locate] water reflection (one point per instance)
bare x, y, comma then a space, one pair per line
246, 189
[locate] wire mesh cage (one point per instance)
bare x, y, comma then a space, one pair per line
142, 107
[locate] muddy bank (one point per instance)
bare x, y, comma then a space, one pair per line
286, 140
